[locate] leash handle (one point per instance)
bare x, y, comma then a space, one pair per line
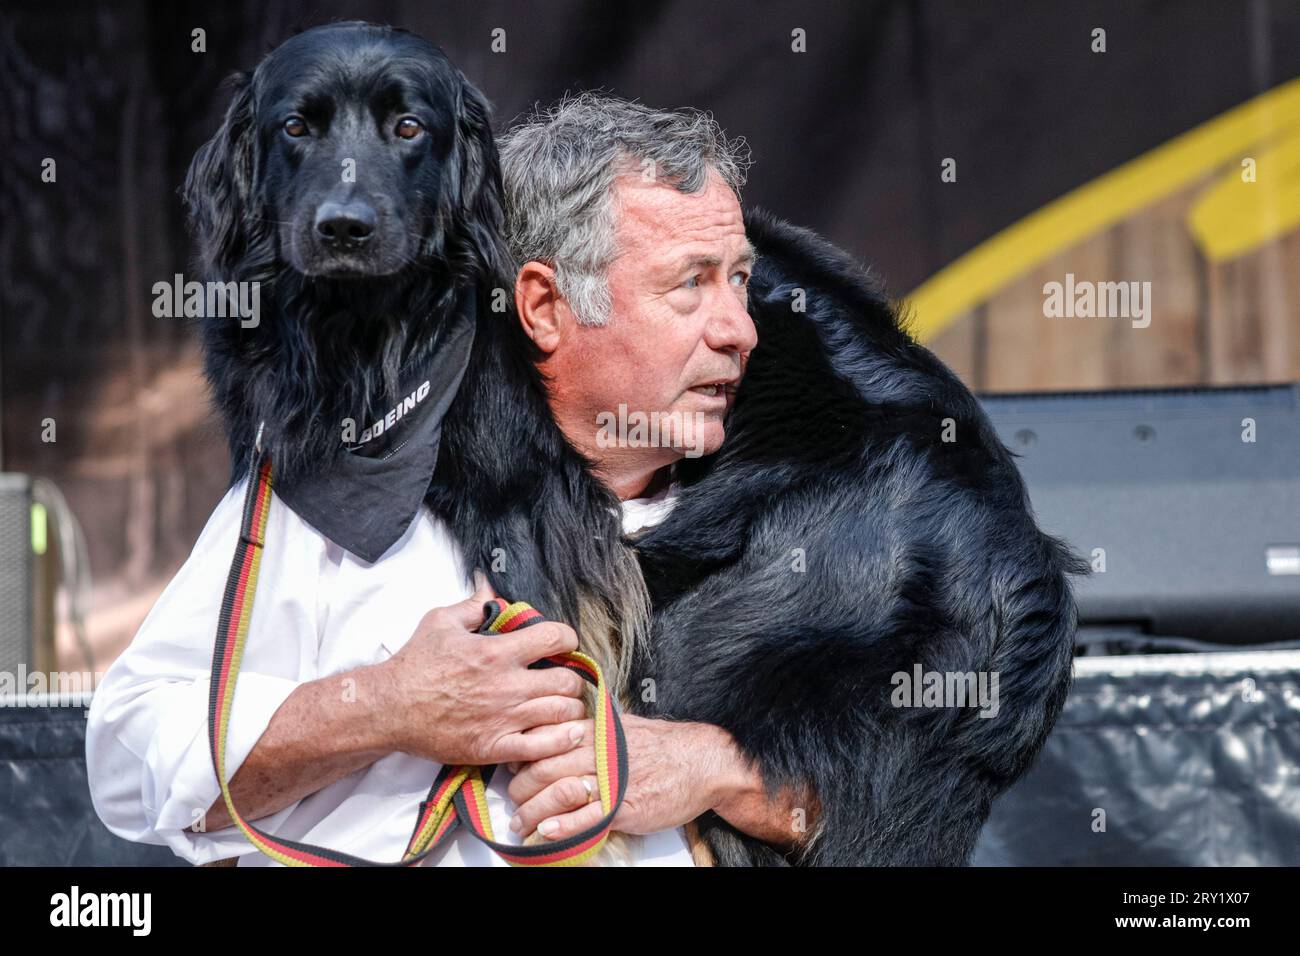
470, 803
458, 793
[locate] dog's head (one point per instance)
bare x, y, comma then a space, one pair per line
351, 152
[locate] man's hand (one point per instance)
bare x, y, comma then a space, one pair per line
678, 770
457, 697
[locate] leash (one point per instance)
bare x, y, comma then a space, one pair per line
458, 794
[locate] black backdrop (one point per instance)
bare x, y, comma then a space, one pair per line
848, 138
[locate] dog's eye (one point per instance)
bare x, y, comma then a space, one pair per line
408, 127
295, 126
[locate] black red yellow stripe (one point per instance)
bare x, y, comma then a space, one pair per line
458, 794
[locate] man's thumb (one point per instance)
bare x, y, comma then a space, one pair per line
469, 612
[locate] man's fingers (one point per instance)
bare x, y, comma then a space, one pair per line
541, 742
541, 711
561, 797
531, 779
559, 826
552, 681
543, 639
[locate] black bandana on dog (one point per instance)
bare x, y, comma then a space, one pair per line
365, 499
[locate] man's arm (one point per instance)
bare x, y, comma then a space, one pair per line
448, 696
324, 730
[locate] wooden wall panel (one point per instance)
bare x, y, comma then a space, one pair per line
1156, 247
1028, 351
1235, 322
1252, 306
959, 346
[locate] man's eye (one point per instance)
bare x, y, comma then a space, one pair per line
295, 126
692, 283
408, 127
742, 276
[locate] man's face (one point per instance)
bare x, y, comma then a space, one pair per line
679, 333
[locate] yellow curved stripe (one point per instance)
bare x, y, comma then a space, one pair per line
1111, 198
1234, 217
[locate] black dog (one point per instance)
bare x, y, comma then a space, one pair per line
355, 177
837, 539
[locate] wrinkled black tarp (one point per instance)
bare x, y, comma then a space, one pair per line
45, 814
1190, 766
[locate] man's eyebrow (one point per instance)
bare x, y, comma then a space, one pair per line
746, 256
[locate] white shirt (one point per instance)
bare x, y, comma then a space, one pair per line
319, 610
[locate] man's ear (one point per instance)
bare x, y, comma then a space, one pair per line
542, 310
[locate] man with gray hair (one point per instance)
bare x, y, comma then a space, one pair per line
626, 229
615, 209
861, 524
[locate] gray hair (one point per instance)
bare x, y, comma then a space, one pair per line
559, 167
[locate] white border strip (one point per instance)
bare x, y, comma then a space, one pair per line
1225, 662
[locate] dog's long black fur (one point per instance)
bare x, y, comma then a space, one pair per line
836, 539
332, 348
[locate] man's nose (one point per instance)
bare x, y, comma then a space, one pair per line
732, 329
345, 225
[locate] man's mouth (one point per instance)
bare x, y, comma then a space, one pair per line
722, 387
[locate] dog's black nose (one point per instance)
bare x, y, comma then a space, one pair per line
345, 225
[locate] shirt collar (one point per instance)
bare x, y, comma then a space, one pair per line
366, 497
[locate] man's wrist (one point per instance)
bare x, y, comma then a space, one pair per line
371, 727
724, 772
737, 793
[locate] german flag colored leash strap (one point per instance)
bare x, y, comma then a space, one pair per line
458, 794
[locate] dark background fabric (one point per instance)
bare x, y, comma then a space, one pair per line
847, 138
46, 817
1184, 769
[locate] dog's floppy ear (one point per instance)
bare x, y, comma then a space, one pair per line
481, 210
218, 189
